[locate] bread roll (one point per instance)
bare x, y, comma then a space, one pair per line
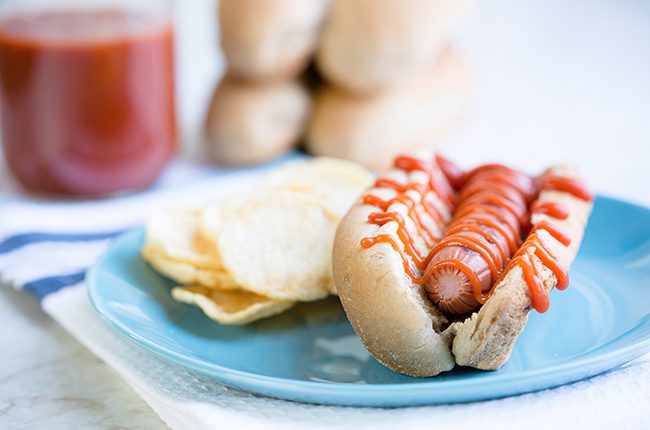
253, 123
366, 44
269, 39
371, 129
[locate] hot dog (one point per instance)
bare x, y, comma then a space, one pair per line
425, 290
484, 233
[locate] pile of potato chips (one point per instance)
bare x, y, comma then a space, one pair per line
258, 253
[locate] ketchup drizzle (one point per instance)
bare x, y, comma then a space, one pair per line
552, 209
567, 185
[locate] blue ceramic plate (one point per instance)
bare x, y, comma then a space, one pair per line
311, 354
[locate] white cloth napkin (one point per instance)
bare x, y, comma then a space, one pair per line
45, 246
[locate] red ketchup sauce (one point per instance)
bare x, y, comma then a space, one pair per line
464, 202
87, 100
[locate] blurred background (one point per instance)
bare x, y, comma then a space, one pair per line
528, 83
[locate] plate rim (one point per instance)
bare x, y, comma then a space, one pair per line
495, 383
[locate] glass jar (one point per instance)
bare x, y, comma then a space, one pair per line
86, 93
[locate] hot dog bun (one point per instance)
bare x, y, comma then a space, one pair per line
269, 39
396, 321
367, 44
250, 123
392, 316
410, 114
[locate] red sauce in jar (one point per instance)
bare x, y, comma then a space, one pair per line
87, 100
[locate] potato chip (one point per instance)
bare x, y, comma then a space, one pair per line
230, 307
256, 253
187, 273
338, 182
174, 247
278, 243
174, 233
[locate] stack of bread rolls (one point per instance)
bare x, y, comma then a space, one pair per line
387, 78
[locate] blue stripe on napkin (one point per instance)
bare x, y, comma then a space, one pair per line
14, 242
44, 286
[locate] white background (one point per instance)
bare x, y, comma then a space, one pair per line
558, 81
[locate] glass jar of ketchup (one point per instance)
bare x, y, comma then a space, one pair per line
86, 93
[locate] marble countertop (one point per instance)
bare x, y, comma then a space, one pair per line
49, 380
